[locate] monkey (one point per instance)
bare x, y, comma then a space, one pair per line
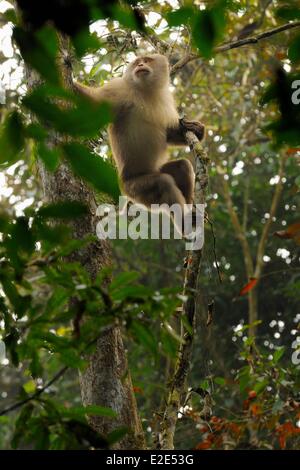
145, 122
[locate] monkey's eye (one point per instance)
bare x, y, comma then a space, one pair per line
148, 59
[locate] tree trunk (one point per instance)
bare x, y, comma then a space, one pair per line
106, 381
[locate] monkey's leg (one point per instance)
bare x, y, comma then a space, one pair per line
183, 173
158, 188
154, 188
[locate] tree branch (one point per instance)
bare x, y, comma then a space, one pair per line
235, 44
177, 388
20, 403
238, 228
268, 224
257, 38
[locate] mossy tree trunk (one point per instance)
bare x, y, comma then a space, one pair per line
106, 381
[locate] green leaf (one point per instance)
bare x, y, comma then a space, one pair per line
93, 168
71, 358
21, 424
11, 139
205, 385
278, 354
181, 16
289, 12
144, 336
42, 438
244, 378
50, 156
30, 386
22, 237
4, 222
169, 343
220, 381
260, 386
35, 131
297, 181
39, 49
11, 344
35, 365
208, 29
285, 129
84, 42
125, 16
91, 410
63, 210
116, 435
278, 405
122, 279
10, 15
294, 50
132, 293
204, 33
75, 115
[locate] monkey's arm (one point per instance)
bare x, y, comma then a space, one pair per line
176, 135
94, 93
106, 93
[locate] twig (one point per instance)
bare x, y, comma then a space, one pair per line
57, 376
267, 227
177, 387
214, 247
257, 38
235, 44
20, 403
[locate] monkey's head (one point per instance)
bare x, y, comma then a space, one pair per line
149, 71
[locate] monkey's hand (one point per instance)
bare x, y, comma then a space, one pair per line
194, 126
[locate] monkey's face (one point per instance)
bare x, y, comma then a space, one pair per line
148, 71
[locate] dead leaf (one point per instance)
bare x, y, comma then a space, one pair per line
251, 284
291, 232
292, 151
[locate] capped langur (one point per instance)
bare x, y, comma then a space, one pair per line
146, 121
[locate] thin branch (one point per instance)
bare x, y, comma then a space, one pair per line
20, 403
237, 227
57, 376
279, 271
214, 248
177, 388
257, 38
235, 44
246, 204
266, 230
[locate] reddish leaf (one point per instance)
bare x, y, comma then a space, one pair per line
204, 445
246, 404
255, 409
292, 232
280, 55
282, 441
251, 284
292, 151
252, 394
